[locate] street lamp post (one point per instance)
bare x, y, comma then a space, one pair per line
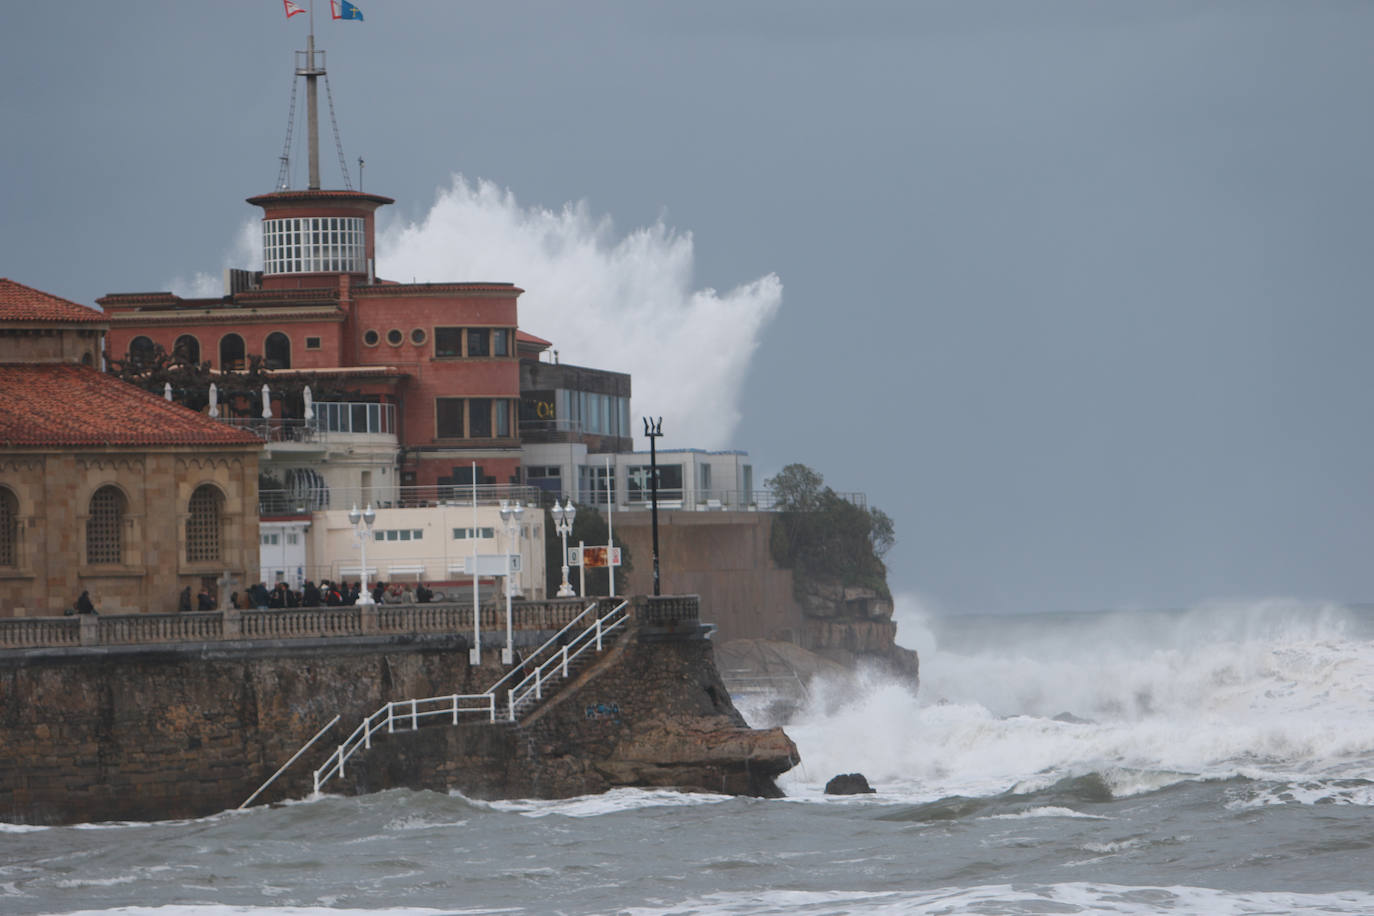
363, 533
653, 429
563, 523
510, 515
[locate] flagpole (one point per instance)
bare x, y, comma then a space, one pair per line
610, 525
476, 654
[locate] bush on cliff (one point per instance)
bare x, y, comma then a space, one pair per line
820, 535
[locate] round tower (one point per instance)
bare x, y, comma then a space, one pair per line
310, 234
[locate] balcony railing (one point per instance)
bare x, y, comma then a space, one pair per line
306, 500
331, 418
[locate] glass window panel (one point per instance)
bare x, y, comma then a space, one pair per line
479, 419
448, 341
479, 342
448, 417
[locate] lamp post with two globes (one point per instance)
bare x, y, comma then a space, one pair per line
362, 531
563, 522
510, 515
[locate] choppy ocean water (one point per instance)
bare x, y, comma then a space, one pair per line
1216, 760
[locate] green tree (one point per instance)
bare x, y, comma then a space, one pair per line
820, 535
590, 528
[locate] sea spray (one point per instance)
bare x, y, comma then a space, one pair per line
615, 301
1271, 691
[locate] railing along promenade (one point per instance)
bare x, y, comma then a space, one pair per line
293, 623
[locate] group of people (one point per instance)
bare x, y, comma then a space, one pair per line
325, 594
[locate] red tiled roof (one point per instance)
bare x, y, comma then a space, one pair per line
70, 405
318, 194
525, 337
24, 303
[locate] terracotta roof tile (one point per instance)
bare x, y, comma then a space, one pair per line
24, 303
69, 405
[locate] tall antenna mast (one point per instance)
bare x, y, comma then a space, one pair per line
306, 67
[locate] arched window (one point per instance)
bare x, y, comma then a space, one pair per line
142, 350
203, 524
188, 348
105, 527
276, 351
231, 352
9, 528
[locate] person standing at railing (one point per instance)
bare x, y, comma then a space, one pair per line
258, 595
310, 596
84, 604
204, 601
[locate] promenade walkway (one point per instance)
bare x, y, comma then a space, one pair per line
295, 623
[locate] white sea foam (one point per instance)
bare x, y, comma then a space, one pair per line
217, 909
611, 802
21, 828
1011, 900
1044, 811
1273, 691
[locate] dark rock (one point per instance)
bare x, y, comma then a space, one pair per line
849, 784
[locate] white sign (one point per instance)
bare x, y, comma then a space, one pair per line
596, 556
492, 564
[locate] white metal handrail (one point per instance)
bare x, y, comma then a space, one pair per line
412, 711
537, 653
588, 638
403, 711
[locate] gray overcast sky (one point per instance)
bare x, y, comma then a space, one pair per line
1077, 291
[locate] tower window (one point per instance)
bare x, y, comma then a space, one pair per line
319, 244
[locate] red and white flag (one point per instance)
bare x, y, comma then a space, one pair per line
292, 8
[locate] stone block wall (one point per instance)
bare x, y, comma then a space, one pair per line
53, 490
725, 558
159, 732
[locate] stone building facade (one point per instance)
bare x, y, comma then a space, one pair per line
105, 488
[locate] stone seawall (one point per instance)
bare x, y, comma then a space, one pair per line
147, 733
180, 730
